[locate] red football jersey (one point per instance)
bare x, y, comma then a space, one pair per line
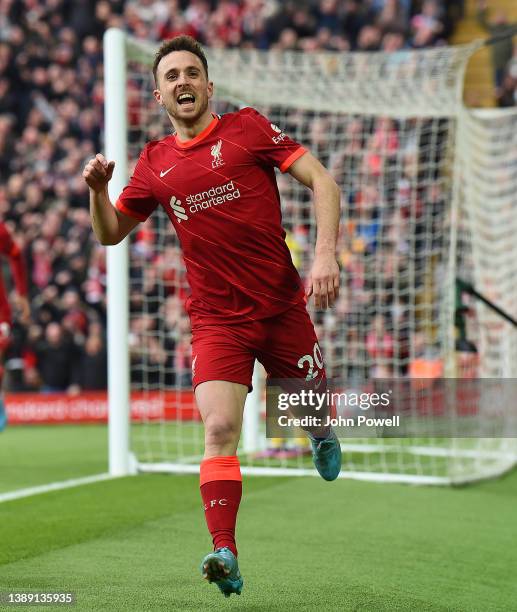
10, 249
220, 193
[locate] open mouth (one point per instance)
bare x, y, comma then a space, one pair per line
185, 99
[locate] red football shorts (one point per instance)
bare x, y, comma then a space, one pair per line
286, 345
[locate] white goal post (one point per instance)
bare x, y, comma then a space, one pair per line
411, 162
117, 261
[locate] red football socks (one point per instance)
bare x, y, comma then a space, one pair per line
221, 490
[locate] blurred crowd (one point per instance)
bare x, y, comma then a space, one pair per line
504, 53
51, 115
394, 192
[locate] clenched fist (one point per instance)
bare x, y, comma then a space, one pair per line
97, 173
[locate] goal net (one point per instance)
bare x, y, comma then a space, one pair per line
487, 229
392, 131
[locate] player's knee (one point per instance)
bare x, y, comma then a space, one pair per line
220, 431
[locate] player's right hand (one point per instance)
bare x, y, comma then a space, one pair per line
98, 172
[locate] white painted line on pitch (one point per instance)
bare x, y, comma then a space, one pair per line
54, 486
177, 468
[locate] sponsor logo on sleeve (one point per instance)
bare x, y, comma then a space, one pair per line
281, 136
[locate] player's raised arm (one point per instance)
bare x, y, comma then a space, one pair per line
110, 225
323, 281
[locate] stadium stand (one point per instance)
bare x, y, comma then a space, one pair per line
51, 115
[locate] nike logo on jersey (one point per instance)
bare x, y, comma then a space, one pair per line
164, 172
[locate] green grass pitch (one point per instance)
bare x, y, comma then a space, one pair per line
135, 543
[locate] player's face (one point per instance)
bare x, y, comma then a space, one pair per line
183, 87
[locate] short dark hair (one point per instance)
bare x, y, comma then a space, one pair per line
179, 43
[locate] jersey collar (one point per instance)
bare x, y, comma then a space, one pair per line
185, 144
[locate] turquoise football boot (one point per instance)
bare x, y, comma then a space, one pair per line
326, 455
222, 568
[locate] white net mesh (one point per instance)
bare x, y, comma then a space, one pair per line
487, 252
489, 156
385, 125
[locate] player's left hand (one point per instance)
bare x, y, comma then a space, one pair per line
323, 281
